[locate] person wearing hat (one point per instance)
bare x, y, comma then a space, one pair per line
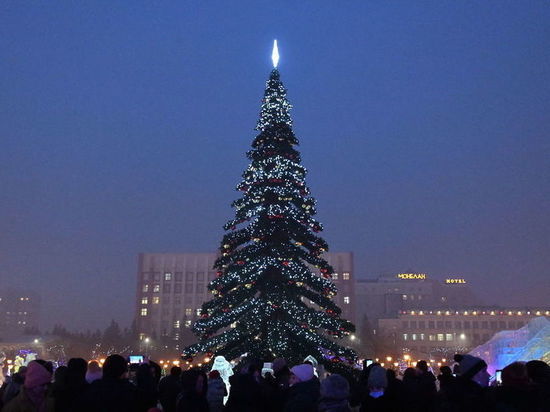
304, 390
470, 388
32, 396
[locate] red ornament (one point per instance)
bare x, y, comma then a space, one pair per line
286, 262
240, 262
219, 273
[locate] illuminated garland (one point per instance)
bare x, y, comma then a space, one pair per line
268, 301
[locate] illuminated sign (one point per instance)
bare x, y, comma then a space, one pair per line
454, 281
411, 276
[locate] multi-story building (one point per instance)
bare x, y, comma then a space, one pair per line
171, 288
427, 333
19, 311
387, 296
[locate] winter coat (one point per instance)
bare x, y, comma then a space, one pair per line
215, 394
334, 405
303, 396
169, 388
112, 395
245, 394
22, 403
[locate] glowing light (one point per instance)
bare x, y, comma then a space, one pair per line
275, 54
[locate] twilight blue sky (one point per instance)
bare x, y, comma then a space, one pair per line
123, 128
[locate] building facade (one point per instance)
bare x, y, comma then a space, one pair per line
19, 312
171, 288
429, 333
388, 295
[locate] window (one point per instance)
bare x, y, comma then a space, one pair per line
449, 337
145, 288
466, 324
345, 276
144, 300
188, 312
156, 300
431, 324
404, 297
405, 336
439, 324
346, 299
335, 276
198, 311
156, 288
422, 336
177, 288
502, 324
166, 288
177, 300
143, 311
145, 276
156, 276
421, 325
405, 324
458, 324
187, 323
413, 324
414, 336
167, 276
493, 324
440, 337
200, 276
176, 324
234, 325
179, 276
484, 325
475, 324
431, 338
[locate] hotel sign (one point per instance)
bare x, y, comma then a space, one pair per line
417, 276
455, 281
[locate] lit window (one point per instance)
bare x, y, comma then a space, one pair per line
449, 337
421, 336
198, 312
462, 336
177, 324
431, 338
440, 337
188, 311
141, 336
346, 299
145, 288
144, 300
156, 300
143, 311
335, 276
187, 323
167, 276
405, 336
404, 297
414, 336
156, 288
345, 276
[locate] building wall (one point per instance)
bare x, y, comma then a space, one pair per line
171, 288
427, 333
19, 311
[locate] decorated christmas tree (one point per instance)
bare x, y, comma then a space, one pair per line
273, 292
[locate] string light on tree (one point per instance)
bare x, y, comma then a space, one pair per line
264, 272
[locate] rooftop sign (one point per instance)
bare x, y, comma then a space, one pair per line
454, 281
417, 276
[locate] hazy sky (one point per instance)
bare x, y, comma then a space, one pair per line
124, 126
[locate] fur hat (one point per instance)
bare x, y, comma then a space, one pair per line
335, 387
36, 375
303, 372
377, 377
471, 365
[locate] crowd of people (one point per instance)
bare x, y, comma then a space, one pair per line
116, 387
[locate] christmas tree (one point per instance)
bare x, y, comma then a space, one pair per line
273, 292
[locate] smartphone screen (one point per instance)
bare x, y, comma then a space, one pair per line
498, 376
136, 359
368, 362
